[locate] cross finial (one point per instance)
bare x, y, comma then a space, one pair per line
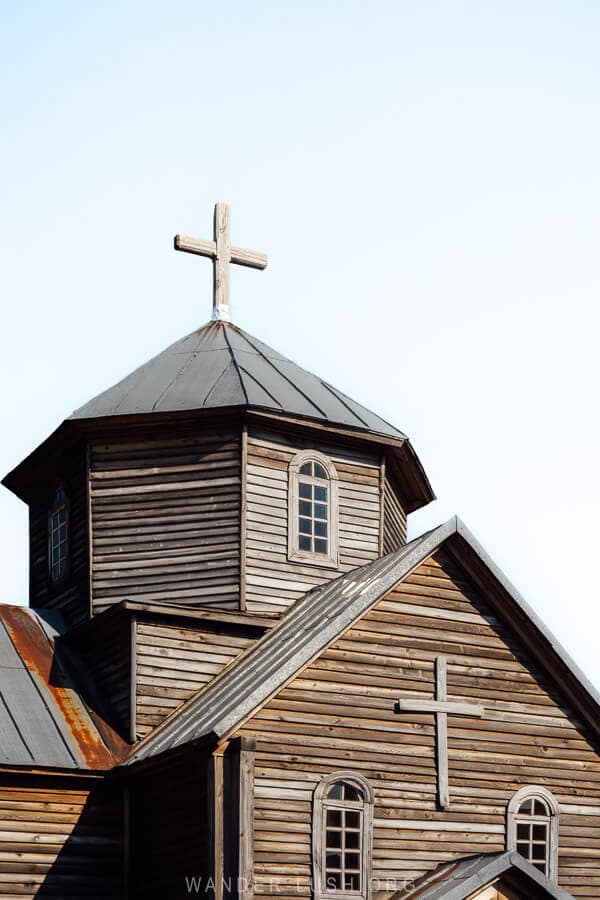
222, 253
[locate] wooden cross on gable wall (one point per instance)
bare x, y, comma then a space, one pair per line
440, 707
222, 253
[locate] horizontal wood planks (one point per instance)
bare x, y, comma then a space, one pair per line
394, 518
170, 843
104, 651
60, 838
166, 519
70, 596
339, 714
273, 582
175, 661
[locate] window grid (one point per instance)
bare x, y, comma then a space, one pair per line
313, 509
58, 537
343, 839
533, 833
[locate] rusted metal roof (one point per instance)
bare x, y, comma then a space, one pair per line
319, 617
219, 366
43, 721
462, 878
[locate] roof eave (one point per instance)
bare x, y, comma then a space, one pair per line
417, 490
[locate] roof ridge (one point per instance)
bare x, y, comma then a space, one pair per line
339, 397
234, 360
180, 372
268, 360
261, 386
244, 686
457, 879
340, 394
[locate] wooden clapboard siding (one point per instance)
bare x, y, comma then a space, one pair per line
171, 833
166, 519
273, 582
339, 714
175, 661
394, 518
103, 651
70, 596
60, 838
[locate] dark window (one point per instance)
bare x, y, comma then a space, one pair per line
58, 536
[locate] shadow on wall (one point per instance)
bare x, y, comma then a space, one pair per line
65, 838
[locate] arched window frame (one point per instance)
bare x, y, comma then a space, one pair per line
320, 806
60, 502
535, 792
331, 559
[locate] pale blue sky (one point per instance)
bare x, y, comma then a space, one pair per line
425, 179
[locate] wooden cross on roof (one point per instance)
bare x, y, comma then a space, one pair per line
222, 253
440, 707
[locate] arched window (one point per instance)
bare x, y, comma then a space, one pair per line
58, 536
312, 508
342, 825
532, 828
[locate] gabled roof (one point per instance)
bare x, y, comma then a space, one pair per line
459, 880
318, 618
43, 722
219, 366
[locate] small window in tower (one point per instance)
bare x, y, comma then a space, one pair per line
313, 509
58, 536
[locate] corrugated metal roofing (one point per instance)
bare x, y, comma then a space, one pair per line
43, 722
460, 879
311, 624
313, 621
219, 366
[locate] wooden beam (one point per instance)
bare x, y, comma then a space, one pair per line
222, 254
251, 258
433, 706
133, 680
441, 693
246, 818
381, 503
440, 706
218, 820
195, 245
243, 515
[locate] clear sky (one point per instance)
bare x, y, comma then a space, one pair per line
425, 179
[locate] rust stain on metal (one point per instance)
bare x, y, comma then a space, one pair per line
36, 651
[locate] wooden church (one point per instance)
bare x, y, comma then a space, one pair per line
236, 679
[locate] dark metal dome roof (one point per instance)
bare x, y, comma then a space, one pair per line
219, 366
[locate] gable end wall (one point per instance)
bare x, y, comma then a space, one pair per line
339, 714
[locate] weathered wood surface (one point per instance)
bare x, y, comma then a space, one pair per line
394, 516
103, 654
70, 596
222, 254
339, 714
60, 838
273, 582
166, 520
171, 830
247, 753
175, 661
